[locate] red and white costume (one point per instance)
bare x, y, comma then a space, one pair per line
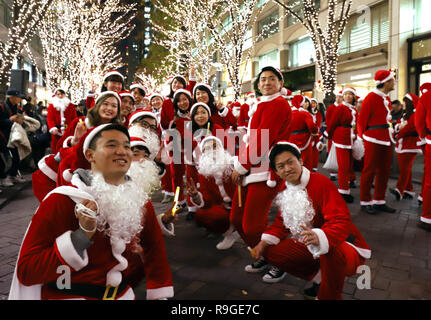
374, 129
302, 127
423, 127
61, 112
341, 246
269, 123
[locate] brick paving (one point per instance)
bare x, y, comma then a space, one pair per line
400, 264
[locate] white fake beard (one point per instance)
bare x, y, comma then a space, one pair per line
215, 164
296, 209
151, 139
121, 208
146, 174
251, 101
236, 111
60, 104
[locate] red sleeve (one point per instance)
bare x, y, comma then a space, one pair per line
364, 115
191, 85
39, 257
277, 228
409, 129
50, 117
70, 131
334, 122
311, 125
243, 114
90, 102
420, 118
229, 119
167, 114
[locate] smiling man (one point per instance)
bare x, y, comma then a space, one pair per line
103, 230
313, 229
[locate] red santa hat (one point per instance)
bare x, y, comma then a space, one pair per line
185, 91
201, 84
298, 101
208, 138
57, 89
137, 85
315, 100
272, 181
250, 93
425, 87
112, 73
286, 92
171, 78
413, 98
90, 136
338, 93
142, 113
382, 76
200, 104
236, 104
105, 93
126, 93
156, 95
349, 89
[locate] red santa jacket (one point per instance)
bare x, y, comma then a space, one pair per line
407, 138
331, 222
243, 118
60, 119
374, 118
342, 126
423, 117
302, 126
268, 124
47, 245
224, 119
214, 192
328, 117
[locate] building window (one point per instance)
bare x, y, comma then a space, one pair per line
298, 9
269, 59
248, 43
261, 3
268, 25
365, 30
227, 25
422, 21
301, 52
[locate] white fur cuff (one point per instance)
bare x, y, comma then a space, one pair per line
68, 252
160, 293
270, 239
323, 246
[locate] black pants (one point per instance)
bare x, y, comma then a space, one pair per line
13, 171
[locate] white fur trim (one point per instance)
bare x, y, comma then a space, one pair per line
428, 141
142, 114
270, 239
224, 113
376, 141
111, 73
323, 246
67, 175
342, 146
170, 231
46, 169
66, 142
202, 201
238, 167
256, 177
68, 252
91, 135
391, 76
160, 293
379, 202
366, 203
366, 253
426, 220
271, 183
344, 191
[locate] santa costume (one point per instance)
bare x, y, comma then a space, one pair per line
90, 100
302, 128
61, 112
423, 127
375, 131
317, 204
269, 122
105, 267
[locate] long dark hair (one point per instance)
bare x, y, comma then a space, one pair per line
211, 102
93, 113
180, 79
113, 78
409, 108
177, 98
195, 126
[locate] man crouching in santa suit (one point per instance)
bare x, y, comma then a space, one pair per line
93, 231
313, 228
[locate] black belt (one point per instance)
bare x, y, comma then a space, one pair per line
345, 125
351, 238
90, 290
379, 126
299, 131
428, 131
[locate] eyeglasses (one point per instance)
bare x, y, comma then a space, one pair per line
146, 125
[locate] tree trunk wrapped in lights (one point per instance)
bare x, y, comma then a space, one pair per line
326, 43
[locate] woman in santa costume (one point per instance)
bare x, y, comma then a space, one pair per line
127, 106
112, 81
302, 130
316, 143
423, 127
213, 191
342, 131
139, 93
269, 123
177, 82
156, 102
328, 117
407, 147
61, 112
313, 229
375, 132
104, 230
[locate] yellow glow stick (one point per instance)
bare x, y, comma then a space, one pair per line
251, 251
82, 122
177, 195
208, 127
239, 197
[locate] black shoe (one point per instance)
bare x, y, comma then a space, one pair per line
257, 266
190, 216
425, 226
368, 209
274, 275
333, 178
312, 292
396, 193
384, 208
348, 198
352, 185
407, 196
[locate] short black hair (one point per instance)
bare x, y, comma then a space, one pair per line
109, 127
141, 92
396, 102
273, 70
113, 78
143, 148
380, 86
280, 148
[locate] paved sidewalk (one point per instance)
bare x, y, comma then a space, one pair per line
400, 264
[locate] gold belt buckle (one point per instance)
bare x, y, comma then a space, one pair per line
114, 294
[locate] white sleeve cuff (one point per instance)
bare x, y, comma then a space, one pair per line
68, 252
170, 231
224, 113
160, 293
270, 239
66, 142
202, 201
325, 133
238, 167
52, 129
323, 246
